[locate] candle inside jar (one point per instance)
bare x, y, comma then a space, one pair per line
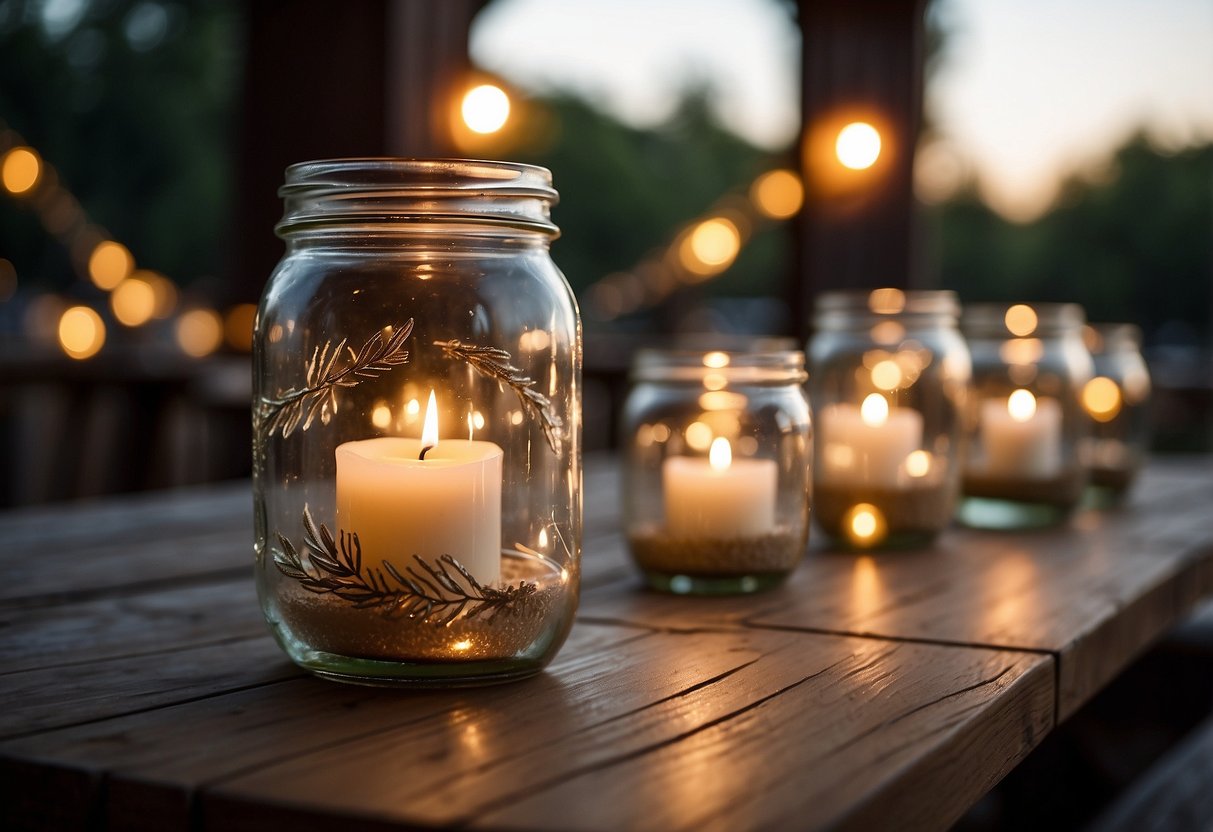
425, 497
869, 444
1021, 436
719, 498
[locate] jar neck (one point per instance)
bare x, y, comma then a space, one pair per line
1022, 320
374, 200
849, 311
694, 367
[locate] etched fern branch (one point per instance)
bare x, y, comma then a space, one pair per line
330, 368
495, 363
424, 592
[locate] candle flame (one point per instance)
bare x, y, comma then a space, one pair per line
1021, 405
874, 411
720, 457
865, 525
429, 431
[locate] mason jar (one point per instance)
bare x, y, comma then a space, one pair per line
416, 426
1026, 420
716, 480
888, 378
1117, 399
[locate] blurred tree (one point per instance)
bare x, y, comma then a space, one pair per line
625, 192
131, 101
1136, 245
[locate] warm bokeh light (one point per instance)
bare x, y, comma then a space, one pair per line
874, 411
199, 332
1021, 350
81, 332
8, 280
711, 247
381, 415
20, 170
698, 436
238, 326
886, 375
462, 645
918, 464
133, 302
485, 108
1021, 320
716, 360
1101, 397
110, 264
887, 301
1021, 405
858, 145
887, 332
865, 525
778, 194
165, 290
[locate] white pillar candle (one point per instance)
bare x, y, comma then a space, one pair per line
867, 445
1021, 436
719, 498
400, 505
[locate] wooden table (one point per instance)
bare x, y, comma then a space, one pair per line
141, 688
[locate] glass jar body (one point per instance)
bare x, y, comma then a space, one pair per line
1117, 400
888, 378
1026, 419
716, 478
381, 555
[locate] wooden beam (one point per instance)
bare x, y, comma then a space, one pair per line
862, 62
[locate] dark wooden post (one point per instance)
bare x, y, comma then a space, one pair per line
322, 80
862, 61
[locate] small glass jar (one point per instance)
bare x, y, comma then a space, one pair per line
416, 426
716, 476
888, 378
1024, 469
1117, 400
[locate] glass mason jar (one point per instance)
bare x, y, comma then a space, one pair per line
417, 416
716, 474
1024, 468
888, 378
1117, 400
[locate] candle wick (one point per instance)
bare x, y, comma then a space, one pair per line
425, 450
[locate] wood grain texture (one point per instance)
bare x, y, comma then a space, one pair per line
1094, 593
733, 729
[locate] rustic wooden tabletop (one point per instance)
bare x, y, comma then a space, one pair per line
141, 688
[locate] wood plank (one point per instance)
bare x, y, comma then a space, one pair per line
42, 699
139, 625
1095, 593
153, 762
797, 731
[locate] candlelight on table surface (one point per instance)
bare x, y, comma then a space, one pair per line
871, 444
425, 497
1021, 435
719, 497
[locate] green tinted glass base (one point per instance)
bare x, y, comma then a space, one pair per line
1009, 515
678, 584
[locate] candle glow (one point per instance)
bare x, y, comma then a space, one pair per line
1021, 405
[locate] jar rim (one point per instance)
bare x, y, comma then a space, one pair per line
993, 318
888, 301
738, 366
385, 192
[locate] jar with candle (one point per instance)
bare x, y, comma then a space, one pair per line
1026, 420
888, 378
1117, 401
716, 481
416, 424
